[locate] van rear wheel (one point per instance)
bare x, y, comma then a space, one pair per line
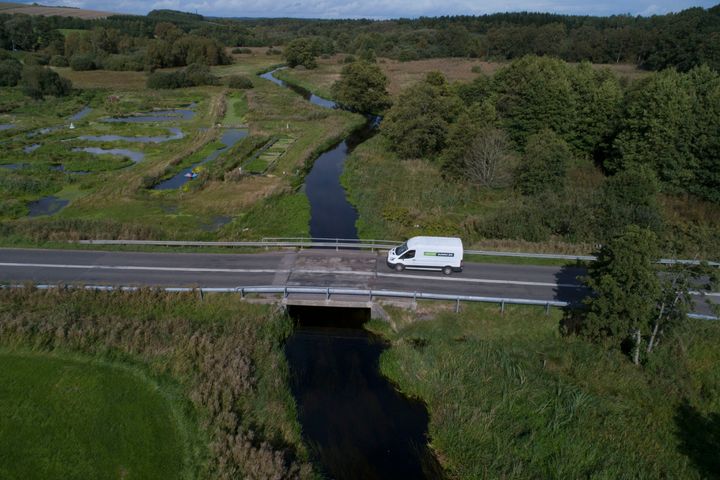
399, 267
447, 270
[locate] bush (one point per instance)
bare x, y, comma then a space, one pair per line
239, 81
273, 51
81, 63
239, 50
40, 81
349, 59
192, 76
59, 61
37, 58
10, 72
123, 63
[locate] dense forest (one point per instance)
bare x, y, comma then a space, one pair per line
682, 40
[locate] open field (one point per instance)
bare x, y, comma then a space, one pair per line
509, 397
198, 388
404, 74
71, 418
115, 196
48, 11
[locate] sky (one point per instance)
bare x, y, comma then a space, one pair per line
381, 9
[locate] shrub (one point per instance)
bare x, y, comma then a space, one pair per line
40, 81
59, 61
239, 50
191, 76
81, 63
239, 81
123, 63
10, 72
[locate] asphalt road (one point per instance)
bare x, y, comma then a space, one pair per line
352, 269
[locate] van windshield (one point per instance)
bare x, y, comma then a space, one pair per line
401, 249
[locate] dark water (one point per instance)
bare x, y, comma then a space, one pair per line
229, 138
46, 206
14, 166
31, 148
331, 215
6, 126
131, 154
355, 422
357, 425
175, 134
42, 131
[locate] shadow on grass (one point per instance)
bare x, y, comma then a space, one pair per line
699, 437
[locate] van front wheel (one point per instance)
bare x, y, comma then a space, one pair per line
447, 270
399, 267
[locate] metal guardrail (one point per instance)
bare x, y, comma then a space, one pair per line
329, 291
338, 243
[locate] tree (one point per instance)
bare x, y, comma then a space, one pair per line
301, 51
706, 140
544, 164
417, 125
626, 291
658, 129
534, 93
39, 81
487, 161
629, 198
10, 72
362, 87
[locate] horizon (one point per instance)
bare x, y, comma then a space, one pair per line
405, 9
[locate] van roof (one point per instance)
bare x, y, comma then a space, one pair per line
452, 242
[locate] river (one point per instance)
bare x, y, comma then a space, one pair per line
357, 425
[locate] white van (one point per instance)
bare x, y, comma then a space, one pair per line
428, 253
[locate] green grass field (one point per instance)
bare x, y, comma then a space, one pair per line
69, 418
510, 397
144, 385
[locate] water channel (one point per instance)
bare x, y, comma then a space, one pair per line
356, 423
228, 138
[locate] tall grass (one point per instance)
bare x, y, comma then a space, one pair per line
509, 397
226, 354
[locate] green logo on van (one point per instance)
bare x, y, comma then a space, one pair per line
438, 254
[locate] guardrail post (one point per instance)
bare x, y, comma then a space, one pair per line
547, 308
285, 293
337, 241
242, 293
327, 293
502, 307
457, 305
201, 294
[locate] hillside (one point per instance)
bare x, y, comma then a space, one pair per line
47, 11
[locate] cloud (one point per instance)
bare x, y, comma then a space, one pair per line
379, 9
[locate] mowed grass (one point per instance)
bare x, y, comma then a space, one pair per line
510, 397
73, 419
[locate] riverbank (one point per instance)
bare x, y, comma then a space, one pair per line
509, 396
219, 361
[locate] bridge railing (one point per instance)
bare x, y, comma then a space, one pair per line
328, 292
350, 243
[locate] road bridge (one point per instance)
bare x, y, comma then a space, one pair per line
350, 269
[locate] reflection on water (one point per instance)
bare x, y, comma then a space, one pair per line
357, 424
228, 138
81, 114
131, 154
31, 148
6, 126
175, 134
46, 206
14, 166
306, 94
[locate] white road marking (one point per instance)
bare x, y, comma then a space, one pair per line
313, 271
130, 267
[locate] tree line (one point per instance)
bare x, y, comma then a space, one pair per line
585, 153
682, 40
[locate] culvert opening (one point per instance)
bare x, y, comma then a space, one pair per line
328, 317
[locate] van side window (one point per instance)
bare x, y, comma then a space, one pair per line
408, 254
